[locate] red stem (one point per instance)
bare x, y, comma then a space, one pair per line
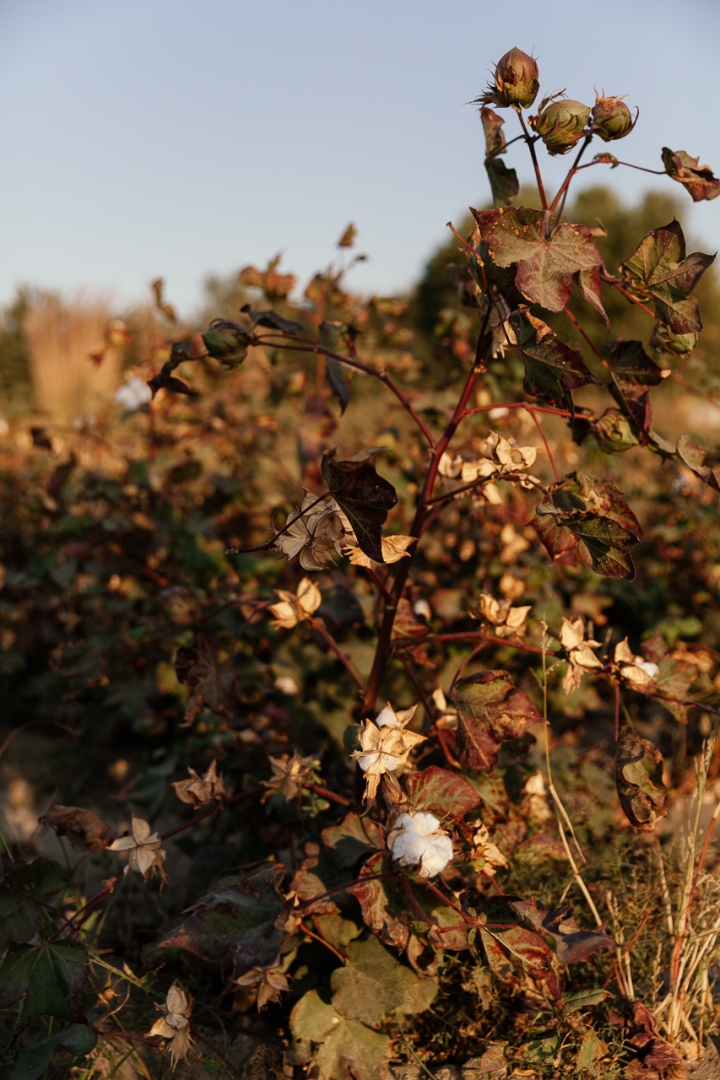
544, 439
333, 645
531, 147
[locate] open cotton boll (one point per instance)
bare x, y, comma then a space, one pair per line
418, 843
133, 395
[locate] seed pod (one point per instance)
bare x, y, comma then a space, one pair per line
560, 124
611, 118
516, 81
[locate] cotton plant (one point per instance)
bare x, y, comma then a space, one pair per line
201, 790
316, 533
293, 608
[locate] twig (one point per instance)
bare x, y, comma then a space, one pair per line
329, 640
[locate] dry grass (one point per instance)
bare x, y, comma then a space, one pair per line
61, 337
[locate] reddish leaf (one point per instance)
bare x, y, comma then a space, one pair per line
572, 943
546, 263
442, 792
352, 839
516, 949
638, 775
382, 903
237, 917
698, 180
589, 285
552, 369
491, 711
694, 457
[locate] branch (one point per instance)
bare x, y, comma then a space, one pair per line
329, 640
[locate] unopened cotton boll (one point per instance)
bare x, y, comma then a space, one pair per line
133, 395
418, 843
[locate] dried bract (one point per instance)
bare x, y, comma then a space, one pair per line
394, 548
293, 608
385, 745
144, 852
579, 652
317, 532
290, 774
486, 851
270, 982
507, 620
199, 790
174, 1025
635, 669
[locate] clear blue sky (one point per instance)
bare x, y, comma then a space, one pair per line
182, 137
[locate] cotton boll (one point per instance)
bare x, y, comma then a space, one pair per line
133, 395
418, 843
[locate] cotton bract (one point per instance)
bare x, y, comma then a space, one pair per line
418, 843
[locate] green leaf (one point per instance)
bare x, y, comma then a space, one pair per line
504, 182
346, 1047
592, 1051
32, 1061
363, 495
491, 711
639, 780
47, 978
546, 262
237, 917
659, 270
634, 373
442, 792
22, 881
698, 180
374, 983
552, 369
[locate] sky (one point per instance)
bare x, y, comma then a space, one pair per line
180, 138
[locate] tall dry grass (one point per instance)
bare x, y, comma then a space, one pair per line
61, 336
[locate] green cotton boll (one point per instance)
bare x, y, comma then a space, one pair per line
611, 118
614, 433
516, 81
560, 124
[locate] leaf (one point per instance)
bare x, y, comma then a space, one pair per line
592, 1050
634, 373
491, 711
586, 521
374, 983
504, 182
546, 263
22, 881
32, 1061
638, 776
84, 829
694, 457
197, 666
589, 284
572, 943
552, 369
337, 373
348, 237
516, 949
273, 321
698, 180
346, 1047
237, 917
660, 270
493, 129
381, 903
363, 495
48, 978
441, 792
352, 839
